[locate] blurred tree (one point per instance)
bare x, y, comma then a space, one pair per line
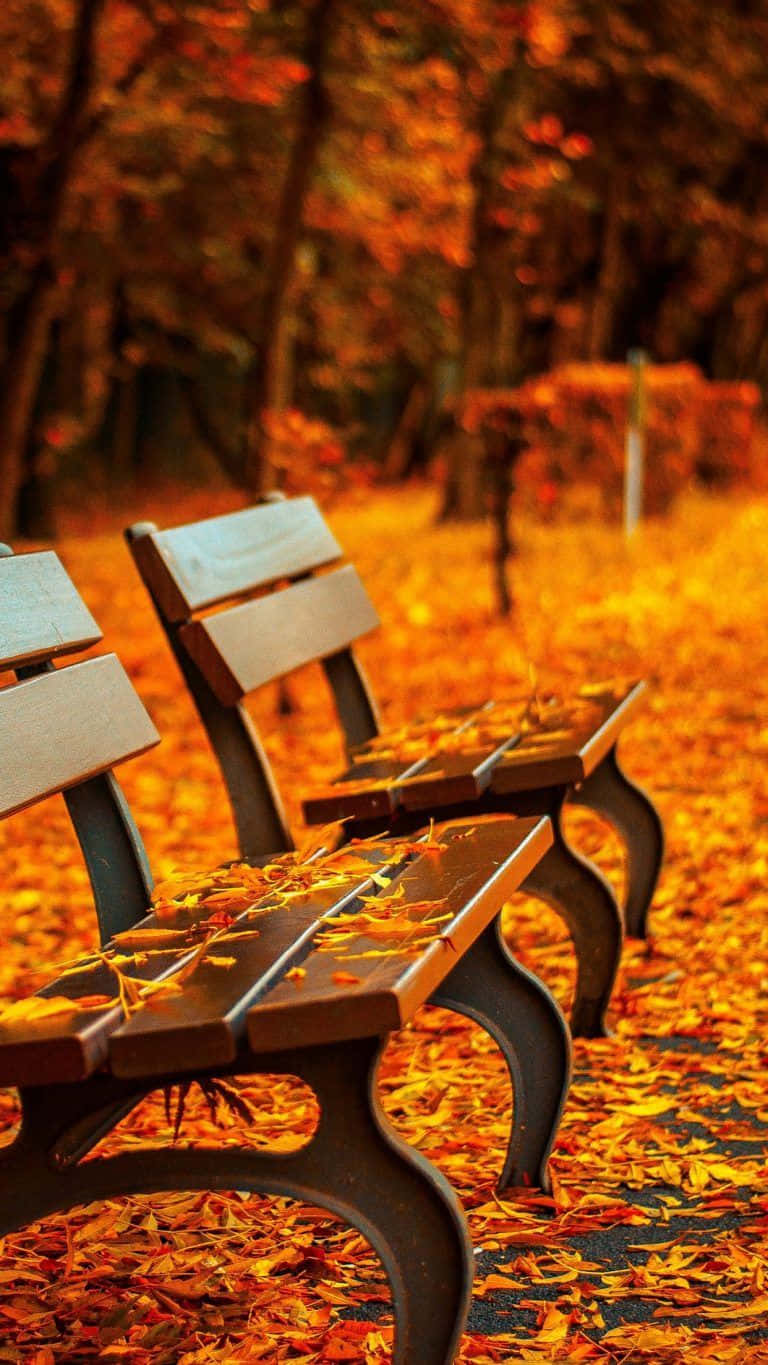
220, 211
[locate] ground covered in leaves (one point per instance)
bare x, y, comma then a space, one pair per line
654, 1247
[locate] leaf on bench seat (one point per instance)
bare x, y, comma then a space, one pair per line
45, 1007
404, 933
41, 1042
438, 763
151, 938
447, 902
280, 927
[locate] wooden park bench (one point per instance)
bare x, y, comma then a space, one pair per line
512, 757
294, 979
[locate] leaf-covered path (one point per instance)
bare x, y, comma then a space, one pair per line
655, 1249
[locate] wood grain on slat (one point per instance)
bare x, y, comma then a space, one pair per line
41, 612
195, 566
448, 779
69, 1047
63, 1046
539, 761
346, 799
473, 878
203, 1025
65, 726
242, 647
355, 803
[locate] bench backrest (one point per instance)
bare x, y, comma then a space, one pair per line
280, 614
63, 729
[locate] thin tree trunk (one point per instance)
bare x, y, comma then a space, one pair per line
125, 423
33, 312
211, 435
480, 316
265, 379
400, 450
20, 384
611, 277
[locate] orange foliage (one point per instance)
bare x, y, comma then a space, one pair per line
305, 452
727, 448
655, 1244
576, 420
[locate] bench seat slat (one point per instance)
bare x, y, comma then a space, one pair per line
345, 800
204, 1025
356, 802
568, 760
94, 716
41, 612
60, 1047
451, 778
70, 1047
481, 867
192, 567
244, 646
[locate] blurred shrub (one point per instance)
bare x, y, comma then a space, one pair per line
306, 452
727, 424
575, 420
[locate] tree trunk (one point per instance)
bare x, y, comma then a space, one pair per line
33, 312
125, 424
611, 277
36, 506
481, 314
399, 455
266, 386
20, 383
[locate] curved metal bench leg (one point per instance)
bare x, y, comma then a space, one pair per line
609, 792
579, 892
489, 986
355, 1166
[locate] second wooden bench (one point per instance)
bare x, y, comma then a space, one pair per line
516, 756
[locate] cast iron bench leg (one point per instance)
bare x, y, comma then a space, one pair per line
586, 902
355, 1166
518, 1011
609, 792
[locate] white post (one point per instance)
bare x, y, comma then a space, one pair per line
634, 450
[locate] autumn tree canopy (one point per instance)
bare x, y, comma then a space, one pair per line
217, 213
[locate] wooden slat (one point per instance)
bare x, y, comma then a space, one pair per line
481, 867
69, 1047
65, 726
540, 760
242, 647
64, 1046
192, 567
42, 614
448, 779
72, 1046
346, 799
203, 1025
